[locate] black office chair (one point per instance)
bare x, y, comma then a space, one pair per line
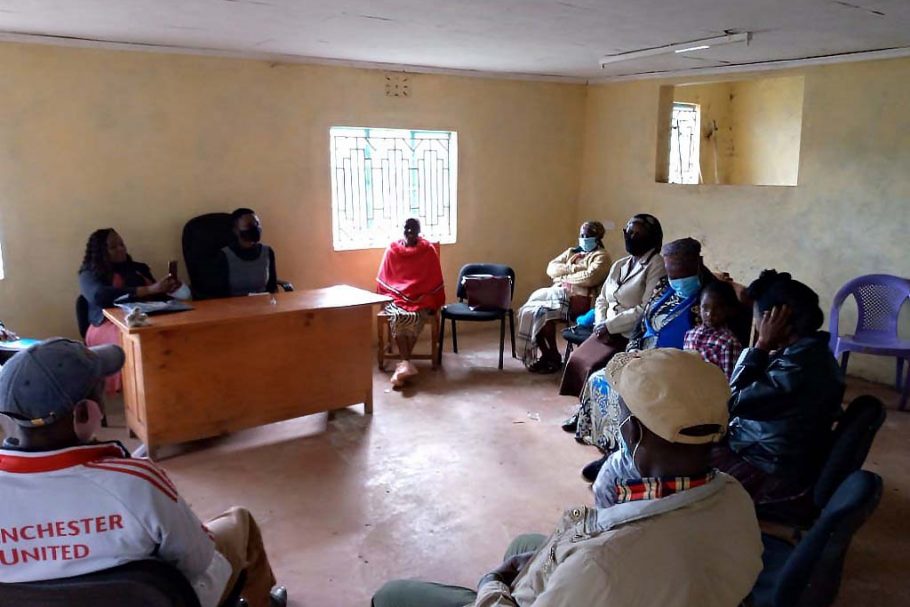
851, 442
149, 583
461, 311
809, 574
82, 321
575, 336
203, 238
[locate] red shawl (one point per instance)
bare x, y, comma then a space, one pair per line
412, 276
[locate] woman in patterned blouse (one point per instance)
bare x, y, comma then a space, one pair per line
672, 310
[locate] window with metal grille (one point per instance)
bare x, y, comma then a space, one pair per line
685, 129
381, 177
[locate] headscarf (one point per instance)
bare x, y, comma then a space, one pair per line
684, 247
597, 228
655, 230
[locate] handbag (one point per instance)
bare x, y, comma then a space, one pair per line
486, 292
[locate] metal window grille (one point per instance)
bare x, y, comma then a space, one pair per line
685, 166
381, 177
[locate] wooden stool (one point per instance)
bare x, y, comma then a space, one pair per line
386, 345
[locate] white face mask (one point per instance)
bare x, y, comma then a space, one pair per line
86, 430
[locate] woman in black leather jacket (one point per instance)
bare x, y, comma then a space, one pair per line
787, 394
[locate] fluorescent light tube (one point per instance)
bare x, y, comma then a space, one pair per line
680, 47
692, 48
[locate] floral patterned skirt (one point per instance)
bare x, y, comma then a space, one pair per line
598, 414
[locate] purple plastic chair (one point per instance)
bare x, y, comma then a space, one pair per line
879, 298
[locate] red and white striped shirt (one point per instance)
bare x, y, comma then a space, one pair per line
88, 508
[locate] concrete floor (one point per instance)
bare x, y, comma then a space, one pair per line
436, 483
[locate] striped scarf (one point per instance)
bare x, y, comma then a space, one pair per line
656, 488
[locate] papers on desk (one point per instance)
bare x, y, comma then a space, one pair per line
152, 307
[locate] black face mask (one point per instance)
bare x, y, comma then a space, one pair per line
253, 234
636, 246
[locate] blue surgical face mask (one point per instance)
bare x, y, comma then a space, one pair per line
588, 244
620, 466
686, 287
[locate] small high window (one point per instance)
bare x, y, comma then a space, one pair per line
737, 132
381, 177
684, 140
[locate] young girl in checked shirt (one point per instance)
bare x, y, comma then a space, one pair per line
713, 339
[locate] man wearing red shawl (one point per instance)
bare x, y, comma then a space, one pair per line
411, 275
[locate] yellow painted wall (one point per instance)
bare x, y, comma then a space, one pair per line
850, 214
142, 142
767, 121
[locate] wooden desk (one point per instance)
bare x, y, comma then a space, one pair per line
236, 363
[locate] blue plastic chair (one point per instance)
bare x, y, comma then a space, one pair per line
809, 574
879, 298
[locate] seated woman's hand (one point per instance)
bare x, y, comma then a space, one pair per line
164, 286
774, 329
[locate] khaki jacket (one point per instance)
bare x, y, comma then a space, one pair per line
626, 292
581, 272
696, 548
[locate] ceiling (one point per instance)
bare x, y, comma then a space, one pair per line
533, 37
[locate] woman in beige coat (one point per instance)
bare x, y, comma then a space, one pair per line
578, 271
627, 289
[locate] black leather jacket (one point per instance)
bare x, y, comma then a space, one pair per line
783, 407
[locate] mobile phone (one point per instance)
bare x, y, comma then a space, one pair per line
172, 268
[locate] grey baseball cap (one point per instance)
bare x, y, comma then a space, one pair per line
40, 385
